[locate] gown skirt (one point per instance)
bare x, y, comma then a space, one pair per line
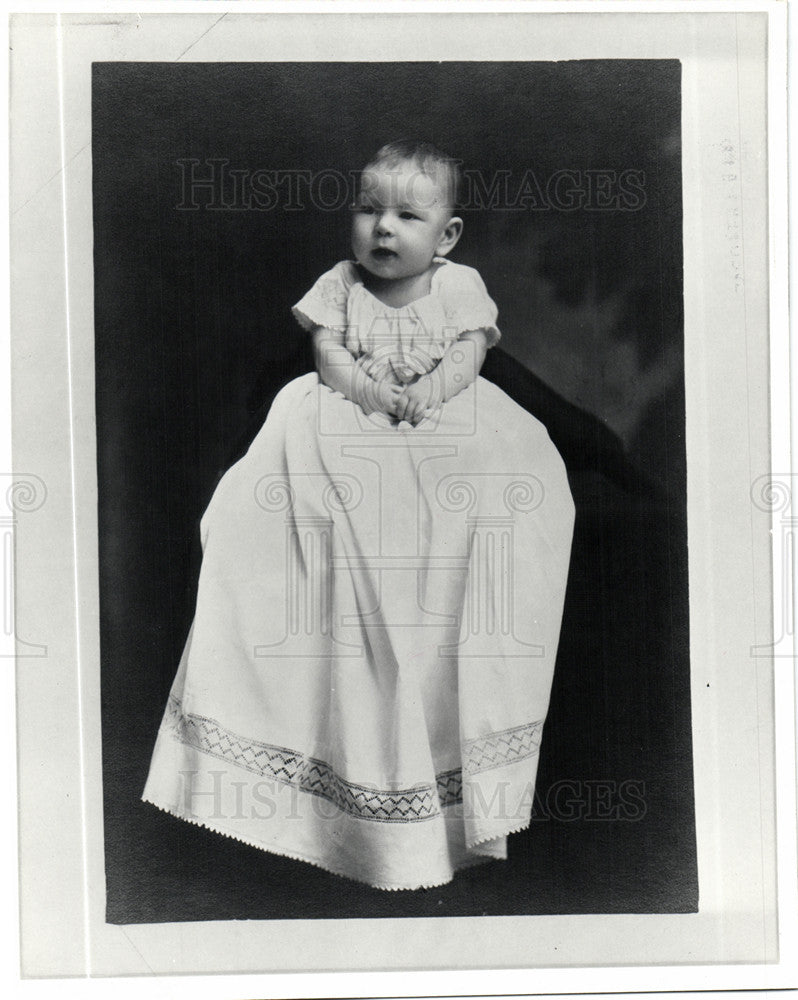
366, 680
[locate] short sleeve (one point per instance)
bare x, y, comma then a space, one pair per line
466, 303
325, 303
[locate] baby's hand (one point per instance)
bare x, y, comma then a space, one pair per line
390, 395
376, 397
382, 397
418, 400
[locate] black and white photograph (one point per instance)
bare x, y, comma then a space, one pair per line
400, 415
376, 614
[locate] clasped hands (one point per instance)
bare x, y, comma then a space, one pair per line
411, 402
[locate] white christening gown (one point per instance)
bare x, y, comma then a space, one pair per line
367, 676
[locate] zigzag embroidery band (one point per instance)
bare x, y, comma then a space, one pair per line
316, 777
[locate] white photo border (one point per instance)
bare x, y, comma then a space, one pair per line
62, 929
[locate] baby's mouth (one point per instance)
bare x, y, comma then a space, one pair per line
383, 253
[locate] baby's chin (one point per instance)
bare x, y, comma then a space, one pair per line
378, 268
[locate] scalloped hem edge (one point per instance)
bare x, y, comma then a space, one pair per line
324, 866
523, 825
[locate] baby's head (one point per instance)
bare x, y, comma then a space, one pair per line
417, 159
403, 214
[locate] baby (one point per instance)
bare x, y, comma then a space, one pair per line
403, 227
375, 637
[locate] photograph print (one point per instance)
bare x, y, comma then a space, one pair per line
391, 468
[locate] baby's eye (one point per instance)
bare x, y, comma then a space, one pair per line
407, 215
364, 209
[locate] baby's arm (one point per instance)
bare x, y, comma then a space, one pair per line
339, 370
457, 369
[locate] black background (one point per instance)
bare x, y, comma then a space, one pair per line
193, 338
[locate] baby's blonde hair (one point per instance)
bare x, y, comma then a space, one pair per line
441, 167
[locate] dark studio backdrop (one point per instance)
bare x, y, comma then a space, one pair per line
194, 336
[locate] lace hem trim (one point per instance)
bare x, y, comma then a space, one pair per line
316, 777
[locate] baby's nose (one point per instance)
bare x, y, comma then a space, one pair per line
384, 224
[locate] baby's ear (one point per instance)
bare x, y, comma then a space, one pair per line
451, 234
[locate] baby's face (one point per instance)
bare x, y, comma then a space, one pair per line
400, 221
